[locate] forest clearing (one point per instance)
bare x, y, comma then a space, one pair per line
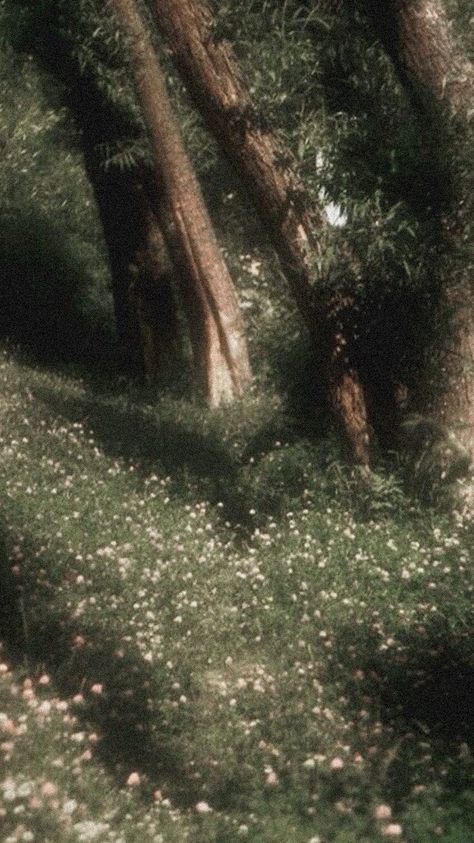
236, 475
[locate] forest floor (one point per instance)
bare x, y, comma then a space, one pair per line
207, 636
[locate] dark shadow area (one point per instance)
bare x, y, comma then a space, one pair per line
137, 434
296, 374
422, 693
201, 464
135, 733
44, 303
435, 692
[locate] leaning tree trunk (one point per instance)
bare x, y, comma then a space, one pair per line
440, 81
212, 74
139, 266
418, 37
217, 334
140, 272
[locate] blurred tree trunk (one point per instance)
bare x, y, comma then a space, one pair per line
145, 309
120, 219
212, 74
217, 334
440, 81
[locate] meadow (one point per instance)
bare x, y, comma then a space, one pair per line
208, 635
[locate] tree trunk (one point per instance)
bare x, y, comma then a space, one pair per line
440, 81
418, 37
145, 310
152, 291
120, 227
217, 333
140, 270
212, 74
131, 233
447, 391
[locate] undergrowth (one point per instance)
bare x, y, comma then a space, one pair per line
211, 632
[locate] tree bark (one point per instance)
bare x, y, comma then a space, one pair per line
217, 333
418, 37
440, 80
213, 77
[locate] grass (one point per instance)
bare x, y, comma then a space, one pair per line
207, 635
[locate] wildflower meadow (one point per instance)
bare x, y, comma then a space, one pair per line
206, 636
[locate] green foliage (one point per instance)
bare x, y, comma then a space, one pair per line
80, 47
326, 86
54, 294
324, 83
79, 82
307, 676
213, 602
436, 460
46, 302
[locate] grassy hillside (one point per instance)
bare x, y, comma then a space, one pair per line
209, 629
207, 637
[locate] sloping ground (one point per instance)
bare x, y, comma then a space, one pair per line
203, 639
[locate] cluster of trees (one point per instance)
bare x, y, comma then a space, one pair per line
160, 238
